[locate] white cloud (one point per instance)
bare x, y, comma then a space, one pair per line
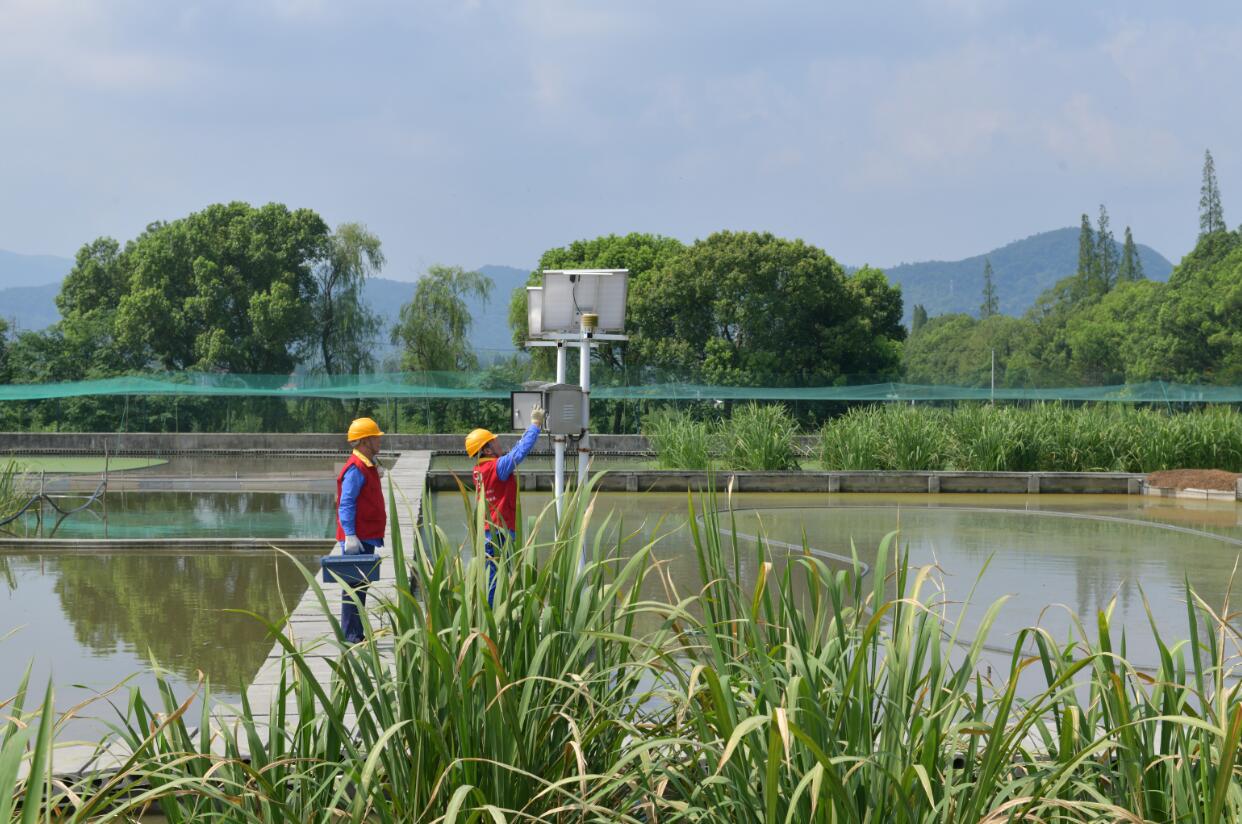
81, 44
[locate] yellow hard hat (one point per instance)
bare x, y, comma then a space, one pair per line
478, 439
363, 428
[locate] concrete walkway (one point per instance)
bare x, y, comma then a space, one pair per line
309, 628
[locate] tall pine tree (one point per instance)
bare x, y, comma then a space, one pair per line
990, 305
1106, 255
1131, 268
1088, 265
920, 318
1211, 214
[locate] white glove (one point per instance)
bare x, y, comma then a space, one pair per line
538, 416
352, 545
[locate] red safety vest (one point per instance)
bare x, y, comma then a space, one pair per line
370, 519
501, 496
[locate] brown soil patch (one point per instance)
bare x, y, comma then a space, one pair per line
1194, 479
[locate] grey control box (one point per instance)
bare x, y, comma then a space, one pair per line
562, 402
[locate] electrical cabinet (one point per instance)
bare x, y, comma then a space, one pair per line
561, 401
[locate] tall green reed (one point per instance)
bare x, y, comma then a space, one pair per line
1044, 437
759, 437
679, 441
13, 489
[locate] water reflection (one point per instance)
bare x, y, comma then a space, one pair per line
93, 620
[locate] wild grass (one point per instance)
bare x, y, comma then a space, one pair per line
1044, 437
594, 691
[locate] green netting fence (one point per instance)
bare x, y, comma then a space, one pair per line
485, 385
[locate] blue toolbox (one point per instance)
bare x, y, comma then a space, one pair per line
351, 570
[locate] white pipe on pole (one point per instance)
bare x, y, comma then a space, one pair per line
558, 444
584, 374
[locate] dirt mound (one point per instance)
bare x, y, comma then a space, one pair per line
1194, 479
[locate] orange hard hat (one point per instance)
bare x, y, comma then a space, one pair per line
363, 428
478, 439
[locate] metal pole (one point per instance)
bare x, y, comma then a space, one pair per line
105, 489
584, 373
558, 443
993, 399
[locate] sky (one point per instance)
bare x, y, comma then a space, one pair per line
484, 132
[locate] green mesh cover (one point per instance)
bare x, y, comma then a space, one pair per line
485, 385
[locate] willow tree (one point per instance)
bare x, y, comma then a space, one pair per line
346, 328
434, 327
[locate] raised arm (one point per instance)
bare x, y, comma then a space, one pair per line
508, 462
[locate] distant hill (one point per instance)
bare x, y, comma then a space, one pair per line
1021, 271
30, 308
31, 270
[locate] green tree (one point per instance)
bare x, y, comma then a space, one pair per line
434, 327
918, 319
991, 304
229, 288
1106, 255
346, 328
1131, 268
1200, 320
1088, 260
749, 308
1211, 213
956, 349
1115, 339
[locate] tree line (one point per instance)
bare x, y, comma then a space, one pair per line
1105, 323
272, 290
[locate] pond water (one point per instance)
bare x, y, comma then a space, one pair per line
89, 621
1052, 556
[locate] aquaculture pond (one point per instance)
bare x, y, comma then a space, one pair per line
189, 465
92, 620
1052, 556
185, 515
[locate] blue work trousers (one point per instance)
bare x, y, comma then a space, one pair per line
351, 621
497, 540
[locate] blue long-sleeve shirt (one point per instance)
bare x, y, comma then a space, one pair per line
507, 463
351, 485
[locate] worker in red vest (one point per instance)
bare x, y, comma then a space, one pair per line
360, 516
495, 477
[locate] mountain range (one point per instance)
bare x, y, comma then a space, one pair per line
1021, 271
